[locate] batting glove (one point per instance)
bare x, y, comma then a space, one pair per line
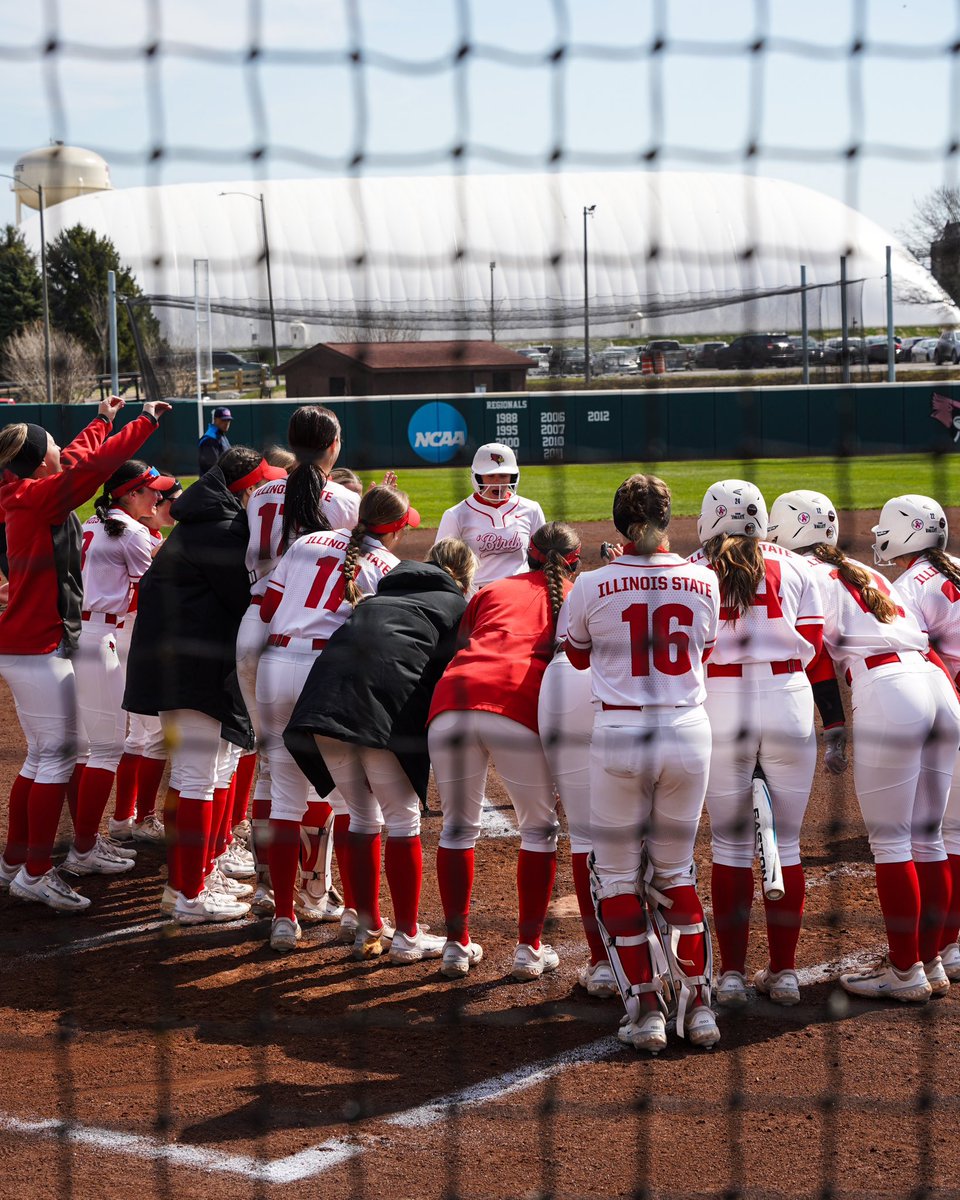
835, 747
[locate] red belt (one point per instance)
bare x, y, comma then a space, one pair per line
880, 660
108, 618
622, 707
282, 639
790, 666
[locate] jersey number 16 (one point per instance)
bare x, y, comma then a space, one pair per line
654, 641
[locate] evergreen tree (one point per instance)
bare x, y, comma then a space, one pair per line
21, 294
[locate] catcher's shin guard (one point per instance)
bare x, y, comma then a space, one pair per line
316, 849
630, 989
683, 986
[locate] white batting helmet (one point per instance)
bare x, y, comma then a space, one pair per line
907, 525
495, 459
732, 506
803, 518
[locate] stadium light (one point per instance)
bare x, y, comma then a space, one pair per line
587, 212
48, 372
266, 259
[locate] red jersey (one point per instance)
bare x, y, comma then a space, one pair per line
43, 537
510, 640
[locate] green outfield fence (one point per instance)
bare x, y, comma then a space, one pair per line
567, 427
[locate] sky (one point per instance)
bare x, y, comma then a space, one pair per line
379, 86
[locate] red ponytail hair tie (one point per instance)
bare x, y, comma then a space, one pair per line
539, 557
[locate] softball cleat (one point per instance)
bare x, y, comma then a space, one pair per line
457, 959
262, 903
314, 902
50, 889
284, 934
348, 927
236, 862
216, 881
208, 907
98, 860
700, 1027
597, 979
783, 987
405, 949
120, 831
168, 900
937, 977
8, 874
530, 964
732, 989
368, 943
886, 982
118, 849
950, 958
149, 830
649, 1032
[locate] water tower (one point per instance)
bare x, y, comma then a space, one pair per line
62, 171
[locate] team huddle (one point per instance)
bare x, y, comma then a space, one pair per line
303, 681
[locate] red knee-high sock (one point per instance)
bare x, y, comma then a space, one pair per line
246, 769
170, 803
588, 916
73, 791
691, 947
403, 861
126, 799
284, 861
535, 876
899, 892
455, 876
44, 805
623, 916
214, 849
148, 785
194, 818
784, 918
934, 880
951, 926
732, 891
341, 849
365, 876
316, 816
260, 822
15, 851
95, 788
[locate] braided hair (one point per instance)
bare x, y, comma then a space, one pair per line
131, 469
555, 550
944, 564
641, 512
379, 506
859, 580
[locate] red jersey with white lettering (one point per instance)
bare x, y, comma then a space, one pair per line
304, 596
111, 567
935, 602
340, 506
647, 622
850, 630
787, 597
497, 532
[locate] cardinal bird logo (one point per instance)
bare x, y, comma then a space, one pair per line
498, 459
947, 412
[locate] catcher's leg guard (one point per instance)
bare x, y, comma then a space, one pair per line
317, 898
685, 939
636, 959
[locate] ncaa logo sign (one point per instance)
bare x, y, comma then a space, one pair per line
437, 431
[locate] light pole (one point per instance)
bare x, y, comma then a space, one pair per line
48, 372
493, 327
266, 259
587, 212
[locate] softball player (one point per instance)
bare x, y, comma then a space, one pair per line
644, 624
912, 533
760, 705
485, 708
40, 626
906, 729
494, 522
314, 588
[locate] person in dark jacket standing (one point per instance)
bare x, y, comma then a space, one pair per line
214, 444
366, 701
182, 668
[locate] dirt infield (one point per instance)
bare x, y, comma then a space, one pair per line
196, 1063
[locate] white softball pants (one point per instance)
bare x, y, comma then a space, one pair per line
951, 818
251, 645
462, 745
375, 787
144, 733
100, 680
45, 694
762, 717
906, 728
648, 771
566, 716
198, 754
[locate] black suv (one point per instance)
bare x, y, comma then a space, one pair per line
948, 347
226, 360
758, 350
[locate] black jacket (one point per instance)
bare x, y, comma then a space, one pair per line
211, 448
183, 650
373, 682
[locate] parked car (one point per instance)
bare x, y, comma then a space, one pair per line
814, 349
705, 355
948, 347
877, 348
755, 350
907, 345
674, 354
833, 351
226, 360
923, 349
617, 360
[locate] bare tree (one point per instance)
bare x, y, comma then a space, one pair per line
73, 368
931, 216
371, 325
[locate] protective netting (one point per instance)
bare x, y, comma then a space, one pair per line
179, 1060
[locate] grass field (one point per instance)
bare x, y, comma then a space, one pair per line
585, 492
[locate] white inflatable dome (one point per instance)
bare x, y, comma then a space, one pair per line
682, 248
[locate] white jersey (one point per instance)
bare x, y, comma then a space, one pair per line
850, 630
933, 600
310, 581
788, 596
112, 567
498, 534
265, 518
648, 621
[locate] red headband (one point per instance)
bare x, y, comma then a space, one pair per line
151, 477
540, 557
261, 472
411, 517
